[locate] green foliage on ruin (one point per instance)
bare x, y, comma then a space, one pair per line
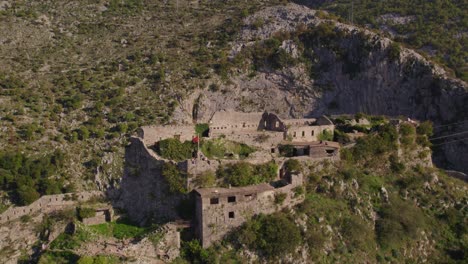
85, 212
206, 179
244, 174
176, 179
293, 165
202, 129
286, 150
193, 252
370, 149
173, 149
326, 135
121, 229
270, 235
221, 148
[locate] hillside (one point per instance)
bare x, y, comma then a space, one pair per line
434, 28
78, 78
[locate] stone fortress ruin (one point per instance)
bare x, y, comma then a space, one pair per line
220, 209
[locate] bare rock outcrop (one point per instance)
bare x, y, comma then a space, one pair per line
356, 73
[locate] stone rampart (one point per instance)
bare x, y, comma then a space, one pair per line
47, 203
153, 134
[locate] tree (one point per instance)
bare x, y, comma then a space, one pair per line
27, 194
273, 235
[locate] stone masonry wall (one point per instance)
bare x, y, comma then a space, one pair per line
47, 203
308, 133
214, 221
153, 134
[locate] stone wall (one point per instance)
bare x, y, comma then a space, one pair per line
47, 203
307, 133
153, 134
144, 192
102, 216
219, 210
226, 122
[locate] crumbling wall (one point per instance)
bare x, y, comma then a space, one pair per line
226, 122
307, 133
214, 221
47, 203
153, 134
144, 192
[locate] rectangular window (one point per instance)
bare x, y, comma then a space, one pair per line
303, 133
277, 124
231, 215
312, 132
273, 150
214, 201
294, 134
231, 199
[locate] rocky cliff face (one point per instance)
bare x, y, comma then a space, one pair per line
353, 70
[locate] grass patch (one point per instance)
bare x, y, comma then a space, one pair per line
221, 148
119, 230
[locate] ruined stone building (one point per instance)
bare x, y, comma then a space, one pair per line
219, 210
296, 130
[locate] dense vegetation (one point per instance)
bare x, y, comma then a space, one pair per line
27, 178
436, 27
243, 173
336, 221
221, 148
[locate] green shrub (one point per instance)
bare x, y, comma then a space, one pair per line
272, 235
286, 150
206, 179
121, 229
244, 174
195, 253
220, 148
173, 149
202, 129
399, 221
280, 197
293, 165
85, 212
357, 234
326, 135
425, 128
175, 178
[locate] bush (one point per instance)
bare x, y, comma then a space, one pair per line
173, 149
326, 135
175, 178
194, 253
206, 179
202, 129
357, 233
280, 197
286, 150
272, 235
220, 148
85, 212
293, 165
398, 222
244, 174
425, 128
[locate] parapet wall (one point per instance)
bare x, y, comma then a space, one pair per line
153, 134
47, 203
